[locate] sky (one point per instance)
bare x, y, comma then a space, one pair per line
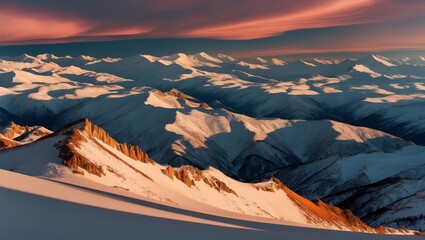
241, 27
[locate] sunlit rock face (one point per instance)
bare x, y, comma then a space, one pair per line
13, 135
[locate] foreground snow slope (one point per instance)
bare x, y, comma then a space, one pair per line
89, 151
47, 209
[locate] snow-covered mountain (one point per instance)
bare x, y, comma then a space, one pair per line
249, 118
82, 148
177, 129
362, 92
13, 135
319, 159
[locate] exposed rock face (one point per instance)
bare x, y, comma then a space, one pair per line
190, 175
271, 186
131, 151
7, 143
318, 211
13, 129
178, 94
35, 131
218, 185
18, 132
13, 135
190, 101
74, 160
169, 171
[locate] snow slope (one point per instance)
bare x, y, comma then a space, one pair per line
88, 150
45, 207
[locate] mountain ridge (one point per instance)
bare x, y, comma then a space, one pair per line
83, 131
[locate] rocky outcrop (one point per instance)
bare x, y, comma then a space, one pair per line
78, 132
73, 159
178, 94
7, 143
169, 172
317, 211
17, 132
218, 185
190, 101
12, 130
272, 185
13, 135
190, 175
36, 132
131, 151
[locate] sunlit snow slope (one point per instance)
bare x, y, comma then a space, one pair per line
47, 209
85, 149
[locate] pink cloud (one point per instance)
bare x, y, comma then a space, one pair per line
52, 20
18, 26
333, 13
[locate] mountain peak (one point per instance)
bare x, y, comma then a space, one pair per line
177, 56
373, 59
383, 60
308, 63
261, 60
363, 69
87, 58
226, 57
208, 57
94, 131
11, 129
26, 58
252, 65
14, 134
278, 62
47, 56
150, 58
170, 99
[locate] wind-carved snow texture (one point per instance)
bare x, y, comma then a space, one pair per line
249, 118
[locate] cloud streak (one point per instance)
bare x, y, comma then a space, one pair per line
37, 21
331, 13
